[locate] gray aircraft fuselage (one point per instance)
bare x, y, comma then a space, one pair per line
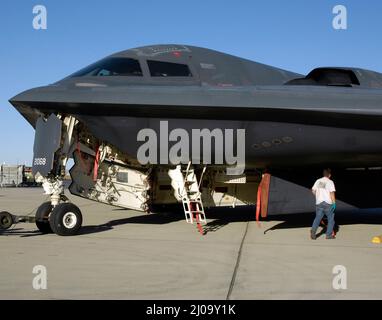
333, 116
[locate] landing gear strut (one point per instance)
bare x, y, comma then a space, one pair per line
58, 215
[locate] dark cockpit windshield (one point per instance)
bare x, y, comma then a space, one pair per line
111, 67
168, 69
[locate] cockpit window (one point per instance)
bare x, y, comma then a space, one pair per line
111, 67
168, 69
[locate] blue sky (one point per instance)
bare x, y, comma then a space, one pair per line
296, 35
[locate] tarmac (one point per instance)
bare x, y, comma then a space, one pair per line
124, 254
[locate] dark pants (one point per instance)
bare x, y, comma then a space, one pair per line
324, 209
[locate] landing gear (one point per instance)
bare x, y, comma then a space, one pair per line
65, 219
54, 144
58, 215
42, 217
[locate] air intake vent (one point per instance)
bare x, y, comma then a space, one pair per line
327, 77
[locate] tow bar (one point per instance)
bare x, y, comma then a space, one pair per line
7, 220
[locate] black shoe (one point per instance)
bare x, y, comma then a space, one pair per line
330, 237
313, 235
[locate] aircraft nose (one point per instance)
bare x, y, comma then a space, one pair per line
35, 94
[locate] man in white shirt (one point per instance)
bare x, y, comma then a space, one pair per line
324, 190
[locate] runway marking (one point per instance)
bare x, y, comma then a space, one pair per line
233, 279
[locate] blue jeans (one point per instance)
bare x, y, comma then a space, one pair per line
324, 209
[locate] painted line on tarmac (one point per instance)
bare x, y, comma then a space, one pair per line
233, 279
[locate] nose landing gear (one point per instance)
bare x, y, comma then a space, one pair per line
65, 219
58, 215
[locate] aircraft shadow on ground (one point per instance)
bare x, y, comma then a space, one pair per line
221, 217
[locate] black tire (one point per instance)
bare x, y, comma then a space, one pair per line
65, 219
42, 215
6, 220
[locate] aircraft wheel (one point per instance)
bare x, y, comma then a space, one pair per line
65, 219
6, 220
42, 215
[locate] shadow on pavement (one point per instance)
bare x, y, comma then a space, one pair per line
305, 220
220, 218
20, 232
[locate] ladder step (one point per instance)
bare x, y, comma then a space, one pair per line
194, 210
190, 195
